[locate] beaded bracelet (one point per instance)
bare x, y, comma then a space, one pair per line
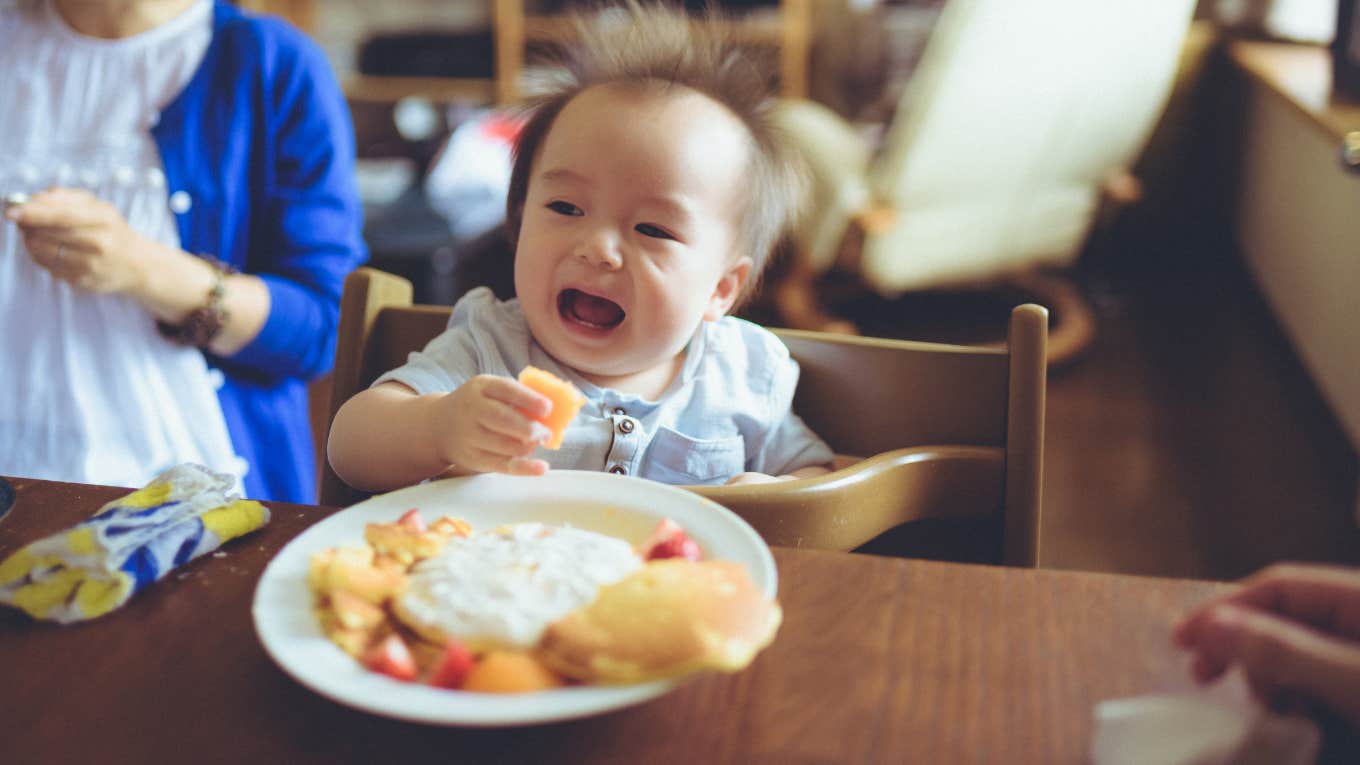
205, 322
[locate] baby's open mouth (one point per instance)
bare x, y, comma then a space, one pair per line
591, 310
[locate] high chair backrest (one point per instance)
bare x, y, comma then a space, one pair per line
934, 430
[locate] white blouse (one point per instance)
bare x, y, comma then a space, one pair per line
89, 390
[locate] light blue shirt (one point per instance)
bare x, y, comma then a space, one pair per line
727, 412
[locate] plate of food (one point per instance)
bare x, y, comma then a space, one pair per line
496, 600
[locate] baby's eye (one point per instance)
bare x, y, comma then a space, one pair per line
565, 208
647, 229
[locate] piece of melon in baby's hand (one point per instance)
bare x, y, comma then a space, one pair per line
566, 401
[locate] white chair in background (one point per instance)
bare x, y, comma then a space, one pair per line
1010, 129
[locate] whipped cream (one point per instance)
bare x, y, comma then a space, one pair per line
505, 586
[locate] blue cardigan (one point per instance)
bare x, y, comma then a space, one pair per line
258, 152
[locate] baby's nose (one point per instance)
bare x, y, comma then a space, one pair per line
601, 251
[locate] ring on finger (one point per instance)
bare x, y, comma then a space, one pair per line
60, 248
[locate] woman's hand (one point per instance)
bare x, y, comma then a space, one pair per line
486, 425
1294, 629
82, 239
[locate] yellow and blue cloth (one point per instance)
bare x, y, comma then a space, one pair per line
95, 567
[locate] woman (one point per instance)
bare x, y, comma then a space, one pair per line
185, 213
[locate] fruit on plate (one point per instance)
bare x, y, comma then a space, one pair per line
354, 613
409, 539
669, 540
532, 606
510, 672
566, 401
453, 666
392, 657
355, 570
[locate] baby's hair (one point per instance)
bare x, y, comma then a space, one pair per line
637, 45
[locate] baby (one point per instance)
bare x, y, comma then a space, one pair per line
647, 191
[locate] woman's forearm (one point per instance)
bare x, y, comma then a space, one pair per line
175, 283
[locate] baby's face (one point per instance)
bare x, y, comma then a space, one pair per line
629, 231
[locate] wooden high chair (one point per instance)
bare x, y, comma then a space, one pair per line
943, 431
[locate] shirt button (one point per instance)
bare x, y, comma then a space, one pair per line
620, 410
619, 470
180, 202
625, 426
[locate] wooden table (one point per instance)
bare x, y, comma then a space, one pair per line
878, 660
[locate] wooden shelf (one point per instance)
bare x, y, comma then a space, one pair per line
371, 89
760, 29
788, 28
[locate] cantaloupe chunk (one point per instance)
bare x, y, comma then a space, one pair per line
566, 401
510, 672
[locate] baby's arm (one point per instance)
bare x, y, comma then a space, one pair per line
805, 472
810, 471
389, 436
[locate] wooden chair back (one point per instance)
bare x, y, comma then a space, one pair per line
943, 431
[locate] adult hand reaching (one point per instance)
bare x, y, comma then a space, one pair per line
1293, 628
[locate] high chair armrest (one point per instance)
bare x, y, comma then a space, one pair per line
847, 507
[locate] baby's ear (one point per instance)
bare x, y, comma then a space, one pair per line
728, 289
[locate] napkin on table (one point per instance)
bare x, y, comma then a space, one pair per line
1216, 725
95, 567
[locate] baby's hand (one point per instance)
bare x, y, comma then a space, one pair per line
803, 472
486, 426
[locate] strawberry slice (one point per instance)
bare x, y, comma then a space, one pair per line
678, 546
669, 540
412, 521
391, 657
453, 666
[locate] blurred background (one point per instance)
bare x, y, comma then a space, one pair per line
1175, 180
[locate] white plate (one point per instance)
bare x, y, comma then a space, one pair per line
620, 506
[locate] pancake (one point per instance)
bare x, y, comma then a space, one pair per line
669, 618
